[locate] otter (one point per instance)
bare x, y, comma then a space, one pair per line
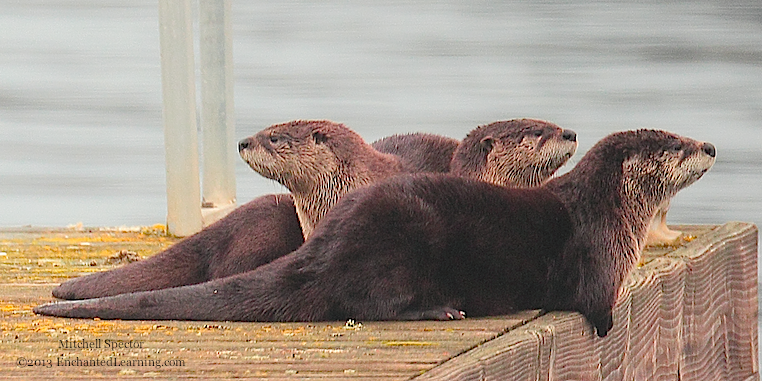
420, 152
659, 234
513, 157
318, 161
519, 152
267, 227
431, 246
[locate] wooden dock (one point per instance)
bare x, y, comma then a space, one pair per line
689, 313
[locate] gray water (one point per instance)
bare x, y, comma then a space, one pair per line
81, 136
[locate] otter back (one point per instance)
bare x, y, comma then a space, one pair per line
420, 152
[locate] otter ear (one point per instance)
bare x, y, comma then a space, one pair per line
487, 143
319, 137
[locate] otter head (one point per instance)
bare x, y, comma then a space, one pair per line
635, 171
318, 161
628, 175
297, 154
516, 153
662, 164
611, 195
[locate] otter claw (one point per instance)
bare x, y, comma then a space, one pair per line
447, 313
441, 313
459, 315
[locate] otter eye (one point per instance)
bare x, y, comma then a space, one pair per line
319, 137
675, 148
487, 143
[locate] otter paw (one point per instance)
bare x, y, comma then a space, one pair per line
439, 313
63, 292
70, 309
604, 325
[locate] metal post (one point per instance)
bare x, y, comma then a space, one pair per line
179, 110
217, 113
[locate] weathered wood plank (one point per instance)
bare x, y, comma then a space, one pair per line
720, 328
375, 350
689, 313
690, 310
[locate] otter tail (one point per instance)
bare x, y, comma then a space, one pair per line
273, 292
179, 265
252, 235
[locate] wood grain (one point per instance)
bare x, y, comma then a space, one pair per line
689, 313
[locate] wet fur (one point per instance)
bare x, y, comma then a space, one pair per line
659, 234
419, 152
516, 153
412, 245
611, 196
318, 161
264, 229
408, 231
252, 235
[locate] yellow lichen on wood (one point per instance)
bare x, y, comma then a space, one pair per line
50, 257
408, 343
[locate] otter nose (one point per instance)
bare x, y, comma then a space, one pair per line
709, 149
243, 144
569, 135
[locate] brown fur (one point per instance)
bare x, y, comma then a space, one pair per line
420, 152
612, 194
517, 153
659, 233
268, 227
427, 247
318, 161
252, 235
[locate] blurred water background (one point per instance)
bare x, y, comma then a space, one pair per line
81, 136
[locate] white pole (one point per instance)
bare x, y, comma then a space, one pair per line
217, 113
179, 110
